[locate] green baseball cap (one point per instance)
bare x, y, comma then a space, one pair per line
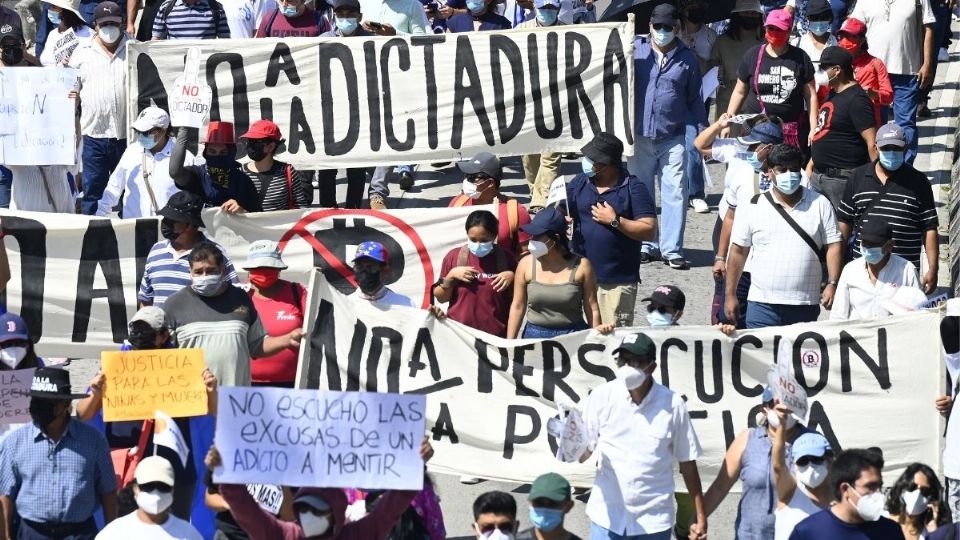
638, 344
550, 486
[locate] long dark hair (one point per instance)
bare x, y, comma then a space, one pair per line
563, 243
906, 483
69, 19
30, 360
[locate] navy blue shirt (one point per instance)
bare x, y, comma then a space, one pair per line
824, 524
614, 255
667, 97
488, 21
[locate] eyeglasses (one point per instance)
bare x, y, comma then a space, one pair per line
662, 27
810, 460
477, 178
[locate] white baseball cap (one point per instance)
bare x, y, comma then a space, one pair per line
154, 469
151, 118
152, 315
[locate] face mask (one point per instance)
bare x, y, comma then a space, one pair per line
206, 285
812, 475
546, 519
788, 182
256, 152
480, 249
537, 249
11, 356
368, 280
632, 377
167, 231
264, 278
141, 341
914, 503
820, 78
11, 56
290, 11
586, 165
347, 25
109, 34
662, 37
314, 525
749, 23
655, 318
147, 141
820, 28
470, 190
774, 421
849, 45
54, 17
219, 162
754, 161
475, 6
777, 38
872, 255
891, 160
547, 17
154, 503
870, 507
497, 534
43, 411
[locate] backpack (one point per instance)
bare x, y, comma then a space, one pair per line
215, 9
513, 215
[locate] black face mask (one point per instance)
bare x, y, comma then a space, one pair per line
11, 56
368, 280
166, 229
43, 411
141, 341
256, 151
227, 161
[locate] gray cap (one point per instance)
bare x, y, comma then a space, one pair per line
891, 135
484, 162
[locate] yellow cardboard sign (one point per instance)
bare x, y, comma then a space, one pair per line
139, 383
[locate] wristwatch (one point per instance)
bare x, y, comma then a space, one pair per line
615, 222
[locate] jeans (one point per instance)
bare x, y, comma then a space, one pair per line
100, 158
599, 533
830, 187
905, 101
540, 171
535, 331
6, 181
664, 159
327, 186
761, 315
694, 168
379, 183
617, 303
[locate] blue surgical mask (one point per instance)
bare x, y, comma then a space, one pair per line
475, 6
546, 519
586, 165
662, 37
147, 141
206, 285
872, 255
753, 160
891, 160
53, 17
347, 25
547, 17
788, 182
289, 11
655, 319
480, 249
820, 28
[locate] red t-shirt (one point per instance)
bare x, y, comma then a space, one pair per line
280, 315
476, 304
504, 238
307, 24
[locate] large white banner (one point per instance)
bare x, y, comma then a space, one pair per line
366, 101
870, 383
75, 278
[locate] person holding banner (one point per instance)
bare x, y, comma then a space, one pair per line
16, 352
802, 490
371, 268
219, 180
293, 18
278, 184
190, 19
396, 17
476, 279
916, 501
347, 17
481, 16
948, 405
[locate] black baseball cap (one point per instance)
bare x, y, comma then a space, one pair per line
484, 162
836, 56
107, 12
664, 14
667, 296
184, 207
605, 148
876, 232
548, 220
12, 32
349, 4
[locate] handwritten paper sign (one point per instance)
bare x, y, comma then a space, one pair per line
191, 97
139, 383
15, 396
571, 434
558, 193
316, 438
33, 106
64, 47
785, 387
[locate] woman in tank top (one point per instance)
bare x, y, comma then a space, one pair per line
553, 288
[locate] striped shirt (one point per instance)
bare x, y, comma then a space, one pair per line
186, 21
103, 89
274, 187
56, 482
166, 272
907, 205
31, 195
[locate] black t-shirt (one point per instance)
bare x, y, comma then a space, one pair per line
529, 534
781, 81
836, 140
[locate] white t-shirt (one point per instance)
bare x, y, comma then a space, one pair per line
387, 297
858, 298
636, 446
951, 448
739, 172
60, 45
809, 46
130, 527
893, 32
798, 509
244, 16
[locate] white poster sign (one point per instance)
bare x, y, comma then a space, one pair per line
15, 396
364, 440
33, 109
190, 101
64, 47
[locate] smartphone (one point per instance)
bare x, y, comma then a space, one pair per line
433, 7
375, 25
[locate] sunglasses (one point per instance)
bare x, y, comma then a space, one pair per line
662, 27
810, 460
927, 492
503, 527
156, 487
477, 178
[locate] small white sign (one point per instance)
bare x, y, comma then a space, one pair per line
191, 97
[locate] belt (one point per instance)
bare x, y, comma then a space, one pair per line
57, 530
834, 172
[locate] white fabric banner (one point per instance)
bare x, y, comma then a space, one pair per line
366, 101
75, 278
489, 400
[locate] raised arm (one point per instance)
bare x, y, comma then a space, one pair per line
182, 176
782, 479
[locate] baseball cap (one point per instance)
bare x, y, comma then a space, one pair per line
263, 129
154, 469
605, 148
350, 4
371, 250
905, 300
836, 56
780, 18
11, 31
484, 162
854, 27
12, 327
819, 7
107, 12
313, 500
184, 207
891, 135
264, 254
876, 231
151, 118
747, 6
763, 133
767, 395
550, 486
638, 344
664, 14
667, 296
810, 444
540, 4
548, 220
152, 315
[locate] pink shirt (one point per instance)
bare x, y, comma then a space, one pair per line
307, 24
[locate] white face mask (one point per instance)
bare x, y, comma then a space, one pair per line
632, 377
914, 503
206, 285
812, 475
314, 525
110, 34
870, 507
470, 190
154, 502
537, 249
11, 356
774, 421
497, 534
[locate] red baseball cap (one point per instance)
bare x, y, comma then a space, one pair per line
854, 27
779, 18
263, 129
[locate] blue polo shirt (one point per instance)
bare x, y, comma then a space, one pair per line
615, 256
